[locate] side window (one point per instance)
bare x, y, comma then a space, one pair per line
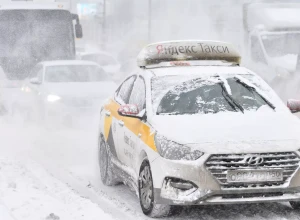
125, 89
138, 94
257, 54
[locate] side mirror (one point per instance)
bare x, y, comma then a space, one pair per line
78, 27
35, 81
78, 31
293, 105
129, 111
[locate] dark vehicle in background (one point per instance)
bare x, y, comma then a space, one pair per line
271, 39
32, 32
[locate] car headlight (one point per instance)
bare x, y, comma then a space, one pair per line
53, 98
25, 89
175, 151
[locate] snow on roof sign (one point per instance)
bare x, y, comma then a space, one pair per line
187, 50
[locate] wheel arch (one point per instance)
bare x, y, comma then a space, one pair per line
142, 156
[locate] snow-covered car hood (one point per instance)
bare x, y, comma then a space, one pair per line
88, 89
232, 132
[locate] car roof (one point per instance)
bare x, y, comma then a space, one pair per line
68, 62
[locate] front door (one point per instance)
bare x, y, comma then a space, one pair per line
132, 126
118, 122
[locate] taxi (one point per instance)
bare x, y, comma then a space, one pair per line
193, 127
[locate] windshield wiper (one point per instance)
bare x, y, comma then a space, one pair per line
235, 104
254, 89
169, 113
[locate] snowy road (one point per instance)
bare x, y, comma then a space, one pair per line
70, 156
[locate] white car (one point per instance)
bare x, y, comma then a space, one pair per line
60, 88
105, 60
192, 127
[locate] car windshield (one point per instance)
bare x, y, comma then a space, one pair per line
204, 96
75, 73
282, 44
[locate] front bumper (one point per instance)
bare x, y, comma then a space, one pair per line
208, 190
199, 197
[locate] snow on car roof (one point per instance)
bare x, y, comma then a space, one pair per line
187, 50
68, 62
200, 70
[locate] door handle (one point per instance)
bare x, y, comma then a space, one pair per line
121, 123
107, 113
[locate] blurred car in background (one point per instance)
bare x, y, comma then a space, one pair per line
63, 89
2, 79
3, 108
9, 92
105, 60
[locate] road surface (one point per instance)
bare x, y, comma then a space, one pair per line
69, 155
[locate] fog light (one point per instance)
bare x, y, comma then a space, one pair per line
181, 185
179, 190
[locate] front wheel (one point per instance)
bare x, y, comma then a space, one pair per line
107, 176
146, 194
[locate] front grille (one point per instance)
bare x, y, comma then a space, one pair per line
219, 164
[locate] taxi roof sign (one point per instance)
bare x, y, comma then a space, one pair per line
187, 50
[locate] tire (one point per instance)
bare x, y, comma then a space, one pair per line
146, 195
108, 178
295, 205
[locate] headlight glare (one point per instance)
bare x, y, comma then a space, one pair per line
53, 98
175, 151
